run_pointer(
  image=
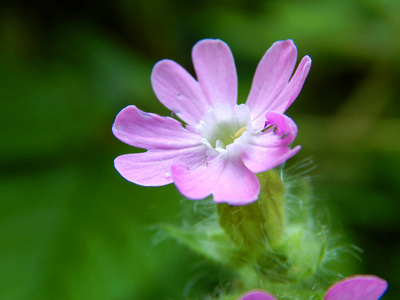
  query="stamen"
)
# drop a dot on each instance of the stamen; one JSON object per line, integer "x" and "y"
{"x": 267, "y": 127}
{"x": 238, "y": 133}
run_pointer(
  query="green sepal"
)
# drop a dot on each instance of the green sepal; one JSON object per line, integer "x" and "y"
{"x": 257, "y": 226}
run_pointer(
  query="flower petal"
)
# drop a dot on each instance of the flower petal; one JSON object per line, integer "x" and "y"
{"x": 216, "y": 71}
{"x": 259, "y": 159}
{"x": 179, "y": 91}
{"x": 283, "y": 130}
{"x": 150, "y": 131}
{"x": 270, "y": 149}
{"x": 153, "y": 168}
{"x": 293, "y": 88}
{"x": 359, "y": 287}
{"x": 257, "y": 295}
{"x": 272, "y": 75}
{"x": 226, "y": 178}
{"x": 271, "y": 90}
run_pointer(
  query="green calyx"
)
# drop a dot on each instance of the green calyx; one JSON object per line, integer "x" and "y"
{"x": 271, "y": 243}
{"x": 257, "y": 226}
{"x": 274, "y": 244}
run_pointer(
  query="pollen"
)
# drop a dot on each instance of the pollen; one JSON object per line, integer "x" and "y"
{"x": 238, "y": 133}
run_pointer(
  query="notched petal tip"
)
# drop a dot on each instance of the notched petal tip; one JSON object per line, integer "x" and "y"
{"x": 271, "y": 80}
{"x": 296, "y": 83}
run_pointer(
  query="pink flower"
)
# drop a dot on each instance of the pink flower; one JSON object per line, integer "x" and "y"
{"x": 359, "y": 287}
{"x": 223, "y": 144}
{"x": 257, "y": 295}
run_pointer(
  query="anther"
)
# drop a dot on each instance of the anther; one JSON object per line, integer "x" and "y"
{"x": 238, "y": 133}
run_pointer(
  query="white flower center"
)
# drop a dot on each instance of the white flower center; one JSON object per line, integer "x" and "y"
{"x": 223, "y": 126}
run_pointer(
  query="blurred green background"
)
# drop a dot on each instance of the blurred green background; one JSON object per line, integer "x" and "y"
{"x": 72, "y": 228}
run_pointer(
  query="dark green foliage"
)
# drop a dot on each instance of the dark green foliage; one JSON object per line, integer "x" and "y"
{"x": 72, "y": 228}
